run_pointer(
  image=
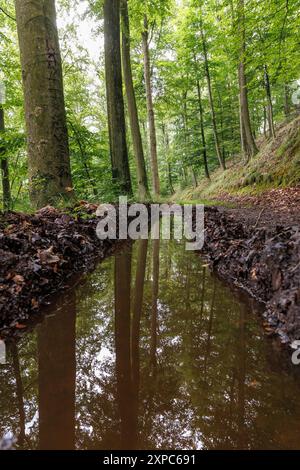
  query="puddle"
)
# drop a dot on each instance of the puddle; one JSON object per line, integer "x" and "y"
{"x": 150, "y": 351}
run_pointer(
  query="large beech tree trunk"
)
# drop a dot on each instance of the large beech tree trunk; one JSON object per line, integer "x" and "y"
{"x": 150, "y": 110}
{"x": 115, "y": 100}
{"x": 132, "y": 106}
{"x": 248, "y": 143}
{"x": 48, "y": 148}
{"x": 6, "y": 194}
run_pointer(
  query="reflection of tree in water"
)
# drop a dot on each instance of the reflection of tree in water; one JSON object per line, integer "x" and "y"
{"x": 96, "y": 411}
{"x": 18, "y": 392}
{"x": 57, "y": 376}
{"x": 123, "y": 351}
{"x": 179, "y": 366}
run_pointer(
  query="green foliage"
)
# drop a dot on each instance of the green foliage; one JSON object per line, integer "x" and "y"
{"x": 177, "y": 66}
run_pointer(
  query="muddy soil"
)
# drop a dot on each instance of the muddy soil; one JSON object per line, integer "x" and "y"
{"x": 262, "y": 256}
{"x": 39, "y": 253}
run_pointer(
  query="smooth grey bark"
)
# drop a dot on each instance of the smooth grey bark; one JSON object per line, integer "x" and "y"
{"x": 150, "y": 110}
{"x": 48, "y": 147}
{"x": 132, "y": 106}
{"x": 115, "y": 100}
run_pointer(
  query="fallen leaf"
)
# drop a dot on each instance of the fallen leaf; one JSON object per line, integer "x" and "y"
{"x": 18, "y": 279}
{"x": 48, "y": 210}
{"x": 34, "y": 303}
{"x": 47, "y": 256}
{"x": 254, "y": 384}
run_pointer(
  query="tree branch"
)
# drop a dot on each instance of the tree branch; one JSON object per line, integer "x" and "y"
{"x": 7, "y": 14}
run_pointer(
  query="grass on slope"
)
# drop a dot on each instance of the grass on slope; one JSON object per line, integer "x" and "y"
{"x": 276, "y": 165}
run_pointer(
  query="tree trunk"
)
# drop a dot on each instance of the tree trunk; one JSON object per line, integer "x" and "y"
{"x": 270, "y": 104}
{"x": 146, "y": 146}
{"x": 170, "y": 179}
{"x": 241, "y": 378}
{"x": 137, "y": 311}
{"x": 4, "y": 169}
{"x": 184, "y": 173}
{"x": 57, "y": 377}
{"x": 19, "y": 393}
{"x": 132, "y": 106}
{"x": 209, "y": 333}
{"x": 265, "y": 122}
{"x": 154, "y": 309}
{"x": 210, "y": 96}
{"x": 202, "y": 131}
{"x": 48, "y": 147}
{"x": 242, "y": 131}
{"x": 287, "y": 108}
{"x": 125, "y": 393}
{"x": 150, "y": 110}
{"x": 167, "y": 147}
{"x": 186, "y": 138}
{"x": 250, "y": 148}
{"x": 194, "y": 176}
{"x": 222, "y": 125}
{"x": 115, "y": 101}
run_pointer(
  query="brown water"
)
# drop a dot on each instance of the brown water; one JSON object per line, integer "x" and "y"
{"x": 150, "y": 351}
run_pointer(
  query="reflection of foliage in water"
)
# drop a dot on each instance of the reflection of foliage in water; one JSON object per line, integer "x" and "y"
{"x": 15, "y": 401}
{"x": 207, "y": 377}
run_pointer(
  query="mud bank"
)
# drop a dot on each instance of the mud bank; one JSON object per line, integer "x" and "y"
{"x": 263, "y": 260}
{"x": 39, "y": 253}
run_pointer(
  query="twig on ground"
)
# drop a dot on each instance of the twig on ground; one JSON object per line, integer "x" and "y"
{"x": 259, "y": 217}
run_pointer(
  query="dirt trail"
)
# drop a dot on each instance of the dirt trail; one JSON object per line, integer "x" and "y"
{"x": 274, "y": 207}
